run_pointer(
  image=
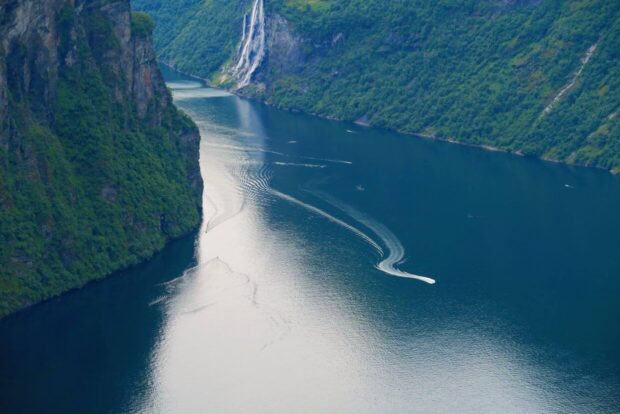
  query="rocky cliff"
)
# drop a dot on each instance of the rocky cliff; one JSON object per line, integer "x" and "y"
{"x": 283, "y": 56}
{"x": 97, "y": 168}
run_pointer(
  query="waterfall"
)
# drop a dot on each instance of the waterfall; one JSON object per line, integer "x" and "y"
{"x": 252, "y": 48}
{"x": 245, "y": 24}
{"x": 584, "y": 61}
{"x": 243, "y": 34}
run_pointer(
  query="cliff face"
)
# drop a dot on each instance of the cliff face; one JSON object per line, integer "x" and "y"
{"x": 97, "y": 168}
{"x": 284, "y": 54}
{"x": 41, "y": 38}
{"x": 284, "y": 47}
{"x": 268, "y": 51}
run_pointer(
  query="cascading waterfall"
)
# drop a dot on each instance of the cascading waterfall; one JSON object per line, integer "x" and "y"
{"x": 584, "y": 61}
{"x": 242, "y": 42}
{"x": 252, "y": 48}
{"x": 245, "y": 24}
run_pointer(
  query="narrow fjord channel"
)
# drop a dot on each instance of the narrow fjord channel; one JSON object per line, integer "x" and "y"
{"x": 342, "y": 269}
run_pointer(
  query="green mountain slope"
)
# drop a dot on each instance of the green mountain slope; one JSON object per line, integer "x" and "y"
{"x": 480, "y": 72}
{"x": 97, "y": 168}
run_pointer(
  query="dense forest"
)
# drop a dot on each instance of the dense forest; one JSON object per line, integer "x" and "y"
{"x": 97, "y": 168}
{"x": 536, "y": 77}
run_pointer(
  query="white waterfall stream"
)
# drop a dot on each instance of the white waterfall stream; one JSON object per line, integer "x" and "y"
{"x": 245, "y": 24}
{"x": 252, "y": 48}
{"x": 584, "y": 61}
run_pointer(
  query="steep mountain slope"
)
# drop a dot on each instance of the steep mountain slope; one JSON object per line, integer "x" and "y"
{"x": 97, "y": 167}
{"x": 538, "y": 77}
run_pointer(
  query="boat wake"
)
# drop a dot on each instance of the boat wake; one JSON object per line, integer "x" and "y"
{"x": 327, "y": 160}
{"x": 328, "y": 216}
{"x": 394, "y": 248}
{"x": 294, "y": 164}
{"x": 250, "y": 149}
{"x": 253, "y": 175}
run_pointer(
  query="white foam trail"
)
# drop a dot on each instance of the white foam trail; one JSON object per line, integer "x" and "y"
{"x": 248, "y": 149}
{"x": 396, "y": 251}
{"x": 327, "y": 160}
{"x": 256, "y": 149}
{"x": 329, "y": 217}
{"x": 158, "y": 300}
{"x": 293, "y": 164}
{"x": 252, "y": 48}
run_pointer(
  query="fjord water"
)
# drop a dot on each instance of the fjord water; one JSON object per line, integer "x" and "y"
{"x": 280, "y": 303}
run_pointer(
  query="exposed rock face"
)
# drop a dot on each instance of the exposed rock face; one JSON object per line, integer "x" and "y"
{"x": 252, "y": 46}
{"x": 21, "y": 70}
{"x": 34, "y": 70}
{"x": 285, "y": 53}
{"x": 268, "y": 49}
{"x": 97, "y": 167}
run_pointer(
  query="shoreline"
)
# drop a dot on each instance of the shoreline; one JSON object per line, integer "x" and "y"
{"x": 490, "y": 148}
{"x": 115, "y": 273}
{"x": 486, "y": 147}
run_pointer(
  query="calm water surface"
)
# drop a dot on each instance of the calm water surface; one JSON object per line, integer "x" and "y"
{"x": 307, "y": 288}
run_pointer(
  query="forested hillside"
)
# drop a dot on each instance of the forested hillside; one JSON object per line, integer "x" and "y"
{"x": 97, "y": 168}
{"x": 538, "y": 77}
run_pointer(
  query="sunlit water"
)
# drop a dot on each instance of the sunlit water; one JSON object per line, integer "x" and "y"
{"x": 309, "y": 287}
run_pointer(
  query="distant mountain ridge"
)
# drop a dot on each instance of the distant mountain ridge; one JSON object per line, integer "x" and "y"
{"x": 535, "y": 77}
{"x": 97, "y": 168}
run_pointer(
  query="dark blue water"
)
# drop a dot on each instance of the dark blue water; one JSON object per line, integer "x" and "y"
{"x": 306, "y": 289}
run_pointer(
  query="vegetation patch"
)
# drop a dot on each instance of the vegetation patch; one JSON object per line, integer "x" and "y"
{"x": 142, "y": 24}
